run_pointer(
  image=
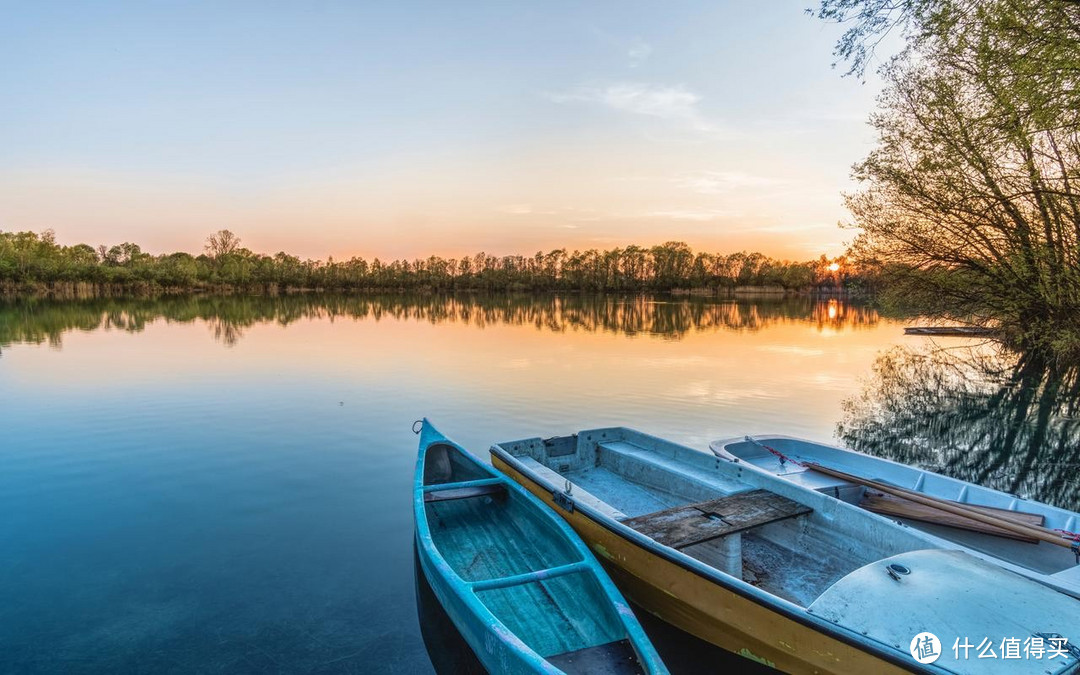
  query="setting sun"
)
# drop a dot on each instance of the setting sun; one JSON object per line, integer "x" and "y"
{"x": 834, "y": 267}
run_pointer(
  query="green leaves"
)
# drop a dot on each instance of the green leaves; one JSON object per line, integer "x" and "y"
{"x": 971, "y": 195}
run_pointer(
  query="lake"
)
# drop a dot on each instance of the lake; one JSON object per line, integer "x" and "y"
{"x": 222, "y": 484}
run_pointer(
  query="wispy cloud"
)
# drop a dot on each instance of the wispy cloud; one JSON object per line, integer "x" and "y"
{"x": 691, "y": 214}
{"x": 719, "y": 182}
{"x": 674, "y": 103}
{"x": 530, "y": 210}
{"x": 516, "y": 209}
{"x": 699, "y": 215}
{"x": 788, "y": 228}
{"x": 639, "y": 53}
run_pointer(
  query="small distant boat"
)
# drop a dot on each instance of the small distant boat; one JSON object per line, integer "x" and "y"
{"x": 949, "y": 331}
{"x": 870, "y": 482}
{"x": 517, "y": 582}
{"x": 789, "y": 577}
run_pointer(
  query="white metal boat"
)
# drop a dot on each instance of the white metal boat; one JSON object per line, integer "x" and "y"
{"x": 1052, "y": 565}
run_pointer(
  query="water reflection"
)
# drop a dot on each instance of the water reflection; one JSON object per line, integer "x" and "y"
{"x": 37, "y": 321}
{"x": 1004, "y": 420}
{"x": 447, "y": 649}
{"x": 280, "y": 469}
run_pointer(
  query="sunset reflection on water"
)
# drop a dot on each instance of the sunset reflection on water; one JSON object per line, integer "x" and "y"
{"x": 242, "y": 466}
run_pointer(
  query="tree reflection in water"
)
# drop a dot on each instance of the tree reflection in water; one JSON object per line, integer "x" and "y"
{"x": 1000, "y": 419}
{"x": 37, "y": 321}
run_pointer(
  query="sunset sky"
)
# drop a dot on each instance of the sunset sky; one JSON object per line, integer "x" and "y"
{"x": 401, "y": 129}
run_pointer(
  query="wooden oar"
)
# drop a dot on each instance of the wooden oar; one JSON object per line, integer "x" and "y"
{"x": 1035, "y": 532}
{"x": 906, "y": 494}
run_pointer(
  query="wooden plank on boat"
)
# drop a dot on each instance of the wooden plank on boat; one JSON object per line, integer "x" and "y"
{"x": 464, "y": 492}
{"x": 891, "y": 505}
{"x": 691, "y": 524}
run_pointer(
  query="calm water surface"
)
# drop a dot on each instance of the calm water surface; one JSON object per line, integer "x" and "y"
{"x": 223, "y": 484}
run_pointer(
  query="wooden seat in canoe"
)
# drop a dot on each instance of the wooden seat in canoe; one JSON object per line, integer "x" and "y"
{"x": 691, "y": 524}
{"x": 465, "y": 492}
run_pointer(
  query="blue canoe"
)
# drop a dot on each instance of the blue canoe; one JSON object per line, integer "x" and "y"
{"x": 521, "y": 587}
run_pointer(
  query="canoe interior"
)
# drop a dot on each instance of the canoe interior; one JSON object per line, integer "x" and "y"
{"x": 1045, "y": 559}
{"x": 487, "y": 535}
{"x": 613, "y": 658}
{"x": 556, "y": 616}
{"x": 444, "y": 463}
{"x": 635, "y": 478}
{"x": 491, "y": 537}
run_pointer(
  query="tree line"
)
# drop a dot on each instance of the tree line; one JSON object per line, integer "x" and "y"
{"x": 30, "y": 260}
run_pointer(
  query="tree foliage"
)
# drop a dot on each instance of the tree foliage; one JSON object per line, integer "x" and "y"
{"x": 221, "y": 244}
{"x": 29, "y": 259}
{"x": 971, "y": 196}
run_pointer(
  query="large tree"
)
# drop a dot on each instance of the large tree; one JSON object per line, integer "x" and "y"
{"x": 972, "y": 195}
{"x": 221, "y": 244}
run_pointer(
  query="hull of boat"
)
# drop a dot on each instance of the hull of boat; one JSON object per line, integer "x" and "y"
{"x": 485, "y": 641}
{"x": 709, "y": 610}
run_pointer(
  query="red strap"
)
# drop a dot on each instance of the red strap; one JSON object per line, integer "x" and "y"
{"x": 782, "y": 456}
{"x": 1065, "y": 534}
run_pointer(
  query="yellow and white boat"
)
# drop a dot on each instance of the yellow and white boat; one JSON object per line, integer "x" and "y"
{"x": 786, "y": 576}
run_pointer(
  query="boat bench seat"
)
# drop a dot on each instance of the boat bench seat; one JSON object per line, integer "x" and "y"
{"x": 451, "y": 493}
{"x": 530, "y": 577}
{"x": 643, "y": 460}
{"x": 691, "y": 524}
{"x": 579, "y": 494}
{"x": 714, "y": 527}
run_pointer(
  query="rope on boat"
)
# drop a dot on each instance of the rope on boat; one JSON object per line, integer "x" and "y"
{"x": 784, "y": 459}
{"x": 1065, "y": 534}
{"x": 417, "y": 426}
{"x": 1074, "y": 537}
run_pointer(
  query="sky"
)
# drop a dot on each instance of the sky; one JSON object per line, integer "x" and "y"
{"x": 404, "y": 129}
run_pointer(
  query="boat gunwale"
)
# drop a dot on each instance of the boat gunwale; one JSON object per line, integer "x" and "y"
{"x": 784, "y": 607}
{"x": 719, "y": 449}
{"x": 646, "y": 653}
